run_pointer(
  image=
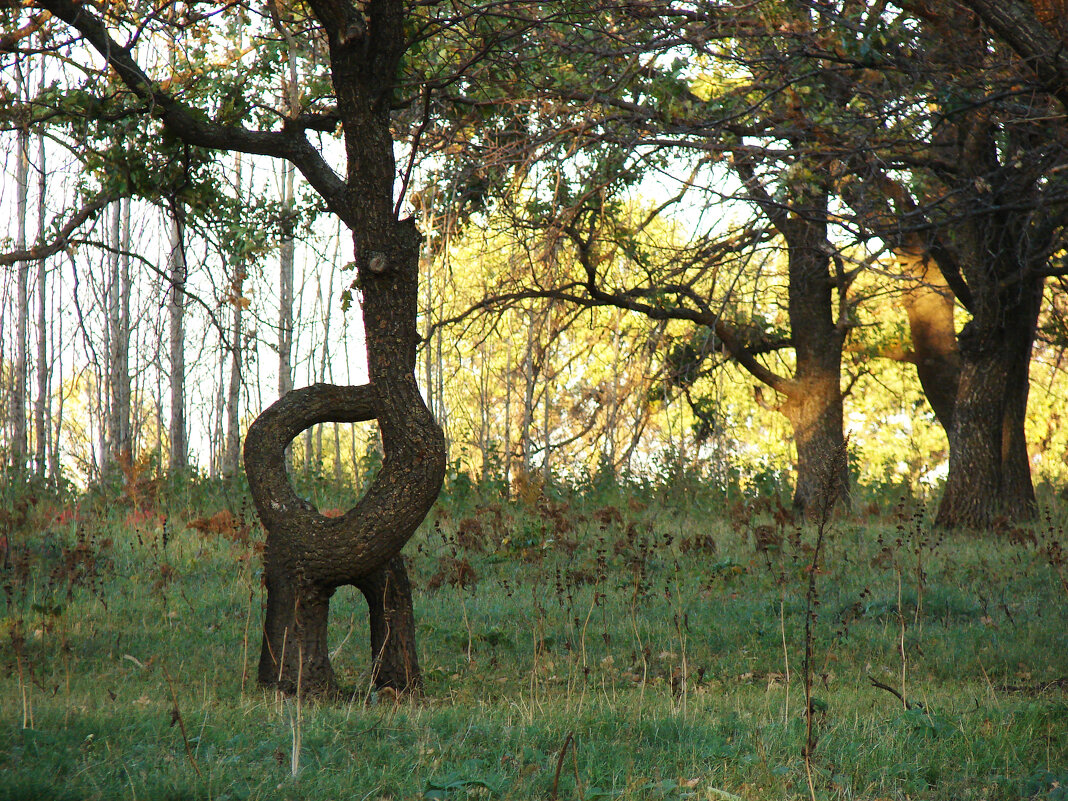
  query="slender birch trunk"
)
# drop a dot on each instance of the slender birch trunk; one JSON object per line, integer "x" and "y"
{"x": 40, "y": 429}
{"x": 324, "y": 355}
{"x": 18, "y": 390}
{"x": 546, "y": 473}
{"x": 218, "y": 434}
{"x": 428, "y": 345}
{"x": 177, "y": 274}
{"x": 285, "y": 302}
{"x": 484, "y": 403}
{"x": 56, "y": 417}
{"x": 179, "y": 454}
{"x": 528, "y": 395}
{"x": 508, "y": 421}
{"x": 119, "y": 445}
{"x": 232, "y": 460}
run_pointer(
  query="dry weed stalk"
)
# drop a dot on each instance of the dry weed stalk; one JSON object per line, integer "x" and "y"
{"x": 176, "y": 717}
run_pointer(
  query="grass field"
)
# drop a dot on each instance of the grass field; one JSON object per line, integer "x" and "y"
{"x": 570, "y": 650}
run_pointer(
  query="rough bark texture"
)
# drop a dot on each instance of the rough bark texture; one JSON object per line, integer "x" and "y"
{"x": 814, "y": 400}
{"x": 285, "y": 289}
{"x": 392, "y": 628}
{"x": 307, "y": 555}
{"x": 1037, "y": 32}
{"x": 1017, "y": 488}
{"x": 1004, "y": 231}
{"x": 813, "y": 396}
{"x": 989, "y": 472}
{"x": 814, "y": 410}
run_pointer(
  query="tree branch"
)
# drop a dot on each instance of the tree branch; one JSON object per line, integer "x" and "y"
{"x": 9, "y": 41}
{"x": 1018, "y": 26}
{"x": 62, "y": 238}
{"x": 706, "y": 317}
{"x": 289, "y": 144}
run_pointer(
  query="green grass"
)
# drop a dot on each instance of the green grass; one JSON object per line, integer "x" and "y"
{"x": 664, "y": 661}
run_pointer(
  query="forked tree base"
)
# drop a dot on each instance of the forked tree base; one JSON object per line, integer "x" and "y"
{"x": 295, "y": 656}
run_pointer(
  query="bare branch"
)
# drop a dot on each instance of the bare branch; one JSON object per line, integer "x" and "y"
{"x": 1045, "y": 53}
{"x": 62, "y": 238}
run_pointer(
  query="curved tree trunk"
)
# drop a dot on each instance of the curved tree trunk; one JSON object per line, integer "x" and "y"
{"x": 308, "y": 556}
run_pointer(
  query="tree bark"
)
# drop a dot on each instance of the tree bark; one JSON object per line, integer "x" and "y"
{"x": 395, "y": 660}
{"x": 973, "y": 489}
{"x": 1017, "y": 489}
{"x": 355, "y": 548}
{"x": 814, "y": 409}
{"x": 989, "y": 471}
{"x": 19, "y": 389}
{"x": 1040, "y": 40}
{"x": 308, "y": 556}
{"x": 119, "y": 390}
{"x": 1005, "y": 323}
{"x": 232, "y": 457}
{"x": 179, "y": 451}
{"x": 813, "y": 402}
{"x": 232, "y": 460}
{"x": 1004, "y": 243}
{"x": 40, "y": 429}
{"x": 285, "y": 286}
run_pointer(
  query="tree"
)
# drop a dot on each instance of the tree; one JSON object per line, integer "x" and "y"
{"x": 119, "y": 430}
{"x": 916, "y": 135}
{"x": 177, "y": 275}
{"x": 18, "y": 396}
{"x": 1017, "y": 156}
{"x": 619, "y": 94}
{"x": 40, "y": 426}
{"x": 986, "y": 205}
{"x": 308, "y": 556}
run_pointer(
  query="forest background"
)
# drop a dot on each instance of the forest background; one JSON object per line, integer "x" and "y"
{"x": 161, "y": 339}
